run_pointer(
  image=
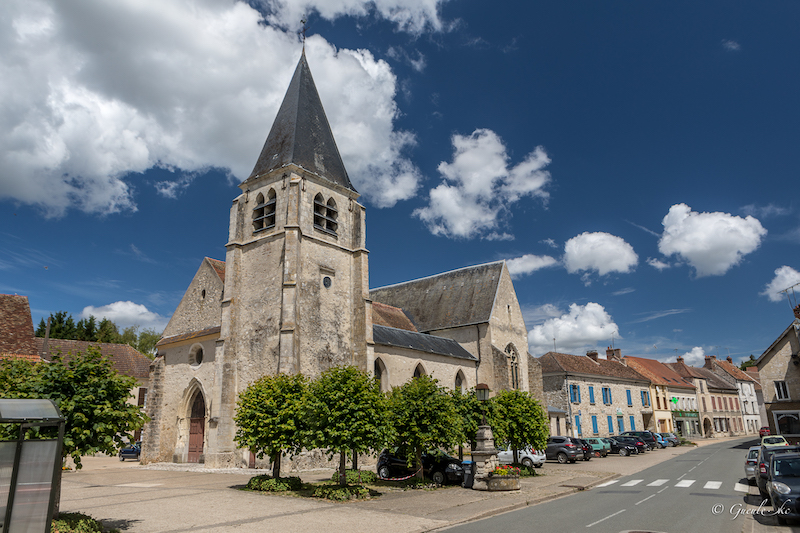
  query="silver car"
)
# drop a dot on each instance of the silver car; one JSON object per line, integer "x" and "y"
{"x": 751, "y": 464}
{"x": 528, "y": 457}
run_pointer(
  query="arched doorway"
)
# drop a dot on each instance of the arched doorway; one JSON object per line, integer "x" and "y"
{"x": 197, "y": 428}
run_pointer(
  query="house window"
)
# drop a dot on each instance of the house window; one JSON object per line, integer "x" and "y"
{"x": 713, "y": 403}
{"x": 781, "y": 392}
{"x": 264, "y": 211}
{"x": 325, "y": 215}
{"x": 575, "y": 393}
{"x": 633, "y": 425}
{"x": 594, "y": 424}
{"x": 591, "y": 395}
{"x": 630, "y": 399}
{"x": 701, "y": 386}
{"x": 578, "y": 424}
{"x": 620, "y": 424}
{"x": 610, "y": 425}
{"x": 645, "y": 398}
{"x": 704, "y": 405}
{"x": 607, "y": 395}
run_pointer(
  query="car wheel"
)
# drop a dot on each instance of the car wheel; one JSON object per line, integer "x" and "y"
{"x": 438, "y": 477}
{"x": 623, "y": 452}
{"x": 527, "y": 462}
{"x": 121, "y": 458}
{"x": 383, "y": 472}
{"x": 562, "y": 458}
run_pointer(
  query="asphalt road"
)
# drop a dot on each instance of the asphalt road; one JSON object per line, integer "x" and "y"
{"x": 701, "y": 491}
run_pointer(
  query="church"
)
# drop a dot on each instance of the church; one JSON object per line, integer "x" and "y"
{"x": 293, "y": 296}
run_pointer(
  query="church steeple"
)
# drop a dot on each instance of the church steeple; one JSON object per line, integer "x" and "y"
{"x": 301, "y": 134}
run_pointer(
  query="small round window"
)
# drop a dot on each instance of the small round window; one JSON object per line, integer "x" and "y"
{"x": 327, "y": 282}
{"x": 196, "y": 356}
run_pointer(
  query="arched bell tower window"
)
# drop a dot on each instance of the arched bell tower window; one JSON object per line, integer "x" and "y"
{"x": 513, "y": 365}
{"x": 325, "y": 215}
{"x": 264, "y": 211}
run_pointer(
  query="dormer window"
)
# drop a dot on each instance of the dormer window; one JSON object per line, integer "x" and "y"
{"x": 325, "y": 215}
{"x": 264, "y": 211}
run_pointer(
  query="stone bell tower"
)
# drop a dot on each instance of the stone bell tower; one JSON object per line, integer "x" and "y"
{"x": 296, "y": 296}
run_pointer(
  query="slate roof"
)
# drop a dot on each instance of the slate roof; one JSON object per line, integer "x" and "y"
{"x": 16, "y": 326}
{"x": 301, "y": 133}
{"x": 389, "y": 316}
{"x": 191, "y": 335}
{"x": 124, "y": 358}
{"x": 422, "y": 342}
{"x": 218, "y": 266}
{"x": 554, "y": 362}
{"x": 657, "y": 372}
{"x": 456, "y": 298}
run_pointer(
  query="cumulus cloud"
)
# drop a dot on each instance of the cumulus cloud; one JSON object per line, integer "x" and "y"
{"x": 657, "y": 263}
{"x": 711, "y": 243}
{"x": 785, "y": 277}
{"x": 583, "y": 326}
{"x": 125, "y": 314}
{"x": 529, "y": 263}
{"x": 731, "y": 46}
{"x": 93, "y": 91}
{"x": 479, "y": 187}
{"x": 600, "y": 252}
{"x": 695, "y": 357}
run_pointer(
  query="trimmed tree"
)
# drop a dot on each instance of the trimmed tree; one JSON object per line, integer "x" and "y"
{"x": 270, "y": 417}
{"x": 519, "y": 420}
{"x": 347, "y": 411}
{"x": 425, "y": 417}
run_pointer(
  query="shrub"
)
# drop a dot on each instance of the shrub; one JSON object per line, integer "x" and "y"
{"x": 356, "y": 477}
{"x": 265, "y": 483}
{"x": 525, "y": 471}
{"x": 76, "y": 523}
{"x": 339, "y": 493}
{"x": 506, "y": 470}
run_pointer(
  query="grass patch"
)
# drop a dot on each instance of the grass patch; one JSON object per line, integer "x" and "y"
{"x": 78, "y": 523}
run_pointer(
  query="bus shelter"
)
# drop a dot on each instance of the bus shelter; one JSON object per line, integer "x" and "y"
{"x": 32, "y": 433}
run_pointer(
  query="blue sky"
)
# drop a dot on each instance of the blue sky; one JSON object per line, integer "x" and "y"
{"x": 634, "y": 162}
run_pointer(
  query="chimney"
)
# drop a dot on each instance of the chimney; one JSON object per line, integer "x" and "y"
{"x": 592, "y": 354}
{"x": 730, "y": 359}
{"x": 680, "y": 359}
{"x": 614, "y": 353}
{"x": 710, "y": 362}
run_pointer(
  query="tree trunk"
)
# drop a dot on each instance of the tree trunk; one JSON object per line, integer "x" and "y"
{"x": 355, "y": 460}
{"x": 516, "y": 454}
{"x": 343, "y": 468}
{"x": 420, "y": 473}
{"x": 276, "y": 466}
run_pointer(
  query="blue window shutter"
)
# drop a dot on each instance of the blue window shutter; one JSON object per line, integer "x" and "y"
{"x": 578, "y": 424}
{"x": 630, "y": 400}
{"x": 579, "y": 393}
{"x": 610, "y": 400}
{"x": 594, "y": 423}
{"x": 641, "y": 393}
{"x": 633, "y": 426}
{"x": 610, "y": 424}
{"x": 591, "y": 394}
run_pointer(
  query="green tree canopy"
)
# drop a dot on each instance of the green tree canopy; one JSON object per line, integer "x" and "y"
{"x": 425, "y": 417}
{"x": 270, "y": 417}
{"x": 347, "y": 411}
{"x": 519, "y": 420}
{"x": 748, "y": 362}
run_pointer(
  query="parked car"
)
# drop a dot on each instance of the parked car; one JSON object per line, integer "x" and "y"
{"x": 765, "y": 453}
{"x": 588, "y": 452}
{"x": 764, "y": 431}
{"x": 783, "y": 485}
{"x": 131, "y": 452}
{"x": 622, "y": 448}
{"x": 563, "y": 449}
{"x": 599, "y": 446}
{"x": 436, "y": 465}
{"x": 528, "y": 457}
{"x": 640, "y": 445}
{"x": 648, "y": 437}
{"x": 751, "y": 464}
{"x": 661, "y": 442}
{"x": 672, "y": 439}
{"x": 774, "y": 440}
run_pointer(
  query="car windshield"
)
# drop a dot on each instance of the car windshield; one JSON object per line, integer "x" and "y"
{"x": 789, "y": 467}
{"x": 773, "y": 440}
{"x": 753, "y": 454}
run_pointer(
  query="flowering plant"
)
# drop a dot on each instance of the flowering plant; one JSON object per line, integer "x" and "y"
{"x": 506, "y": 470}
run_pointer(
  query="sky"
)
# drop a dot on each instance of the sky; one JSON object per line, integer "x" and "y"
{"x": 633, "y": 162}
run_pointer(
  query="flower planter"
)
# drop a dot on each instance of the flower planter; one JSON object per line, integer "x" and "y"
{"x": 498, "y": 483}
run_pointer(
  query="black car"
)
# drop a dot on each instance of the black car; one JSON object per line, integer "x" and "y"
{"x": 623, "y": 448}
{"x": 645, "y": 436}
{"x": 783, "y": 485}
{"x": 436, "y": 465}
{"x": 640, "y": 445}
{"x": 563, "y": 449}
{"x": 588, "y": 451}
{"x": 762, "y": 466}
{"x": 131, "y": 452}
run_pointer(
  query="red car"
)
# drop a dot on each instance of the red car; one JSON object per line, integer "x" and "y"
{"x": 764, "y": 431}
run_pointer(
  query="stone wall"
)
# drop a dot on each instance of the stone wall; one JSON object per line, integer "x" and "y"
{"x": 200, "y": 306}
{"x": 400, "y": 364}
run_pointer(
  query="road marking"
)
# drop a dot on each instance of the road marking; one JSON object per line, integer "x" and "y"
{"x": 139, "y": 485}
{"x": 681, "y": 476}
{"x": 662, "y": 490}
{"x": 606, "y": 518}
{"x": 657, "y": 483}
{"x": 632, "y": 482}
{"x": 692, "y": 468}
{"x": 742, "y": 488}
{"x": 642, "y": 501}
{"x": 712, "y": 485}
{"x": 607, "y": 483}
{"x": 685, "y": 483}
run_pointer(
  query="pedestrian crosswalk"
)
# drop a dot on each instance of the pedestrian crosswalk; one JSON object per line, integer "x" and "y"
{"x": 677, "y": 483}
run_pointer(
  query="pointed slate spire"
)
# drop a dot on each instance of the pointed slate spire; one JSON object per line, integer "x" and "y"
{"x": 301, "y": 133}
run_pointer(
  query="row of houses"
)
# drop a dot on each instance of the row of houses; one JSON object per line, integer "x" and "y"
{"x": 588, "y": 396}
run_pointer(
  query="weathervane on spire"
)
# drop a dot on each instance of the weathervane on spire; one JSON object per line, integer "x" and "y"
{"x": 303, "y": 21}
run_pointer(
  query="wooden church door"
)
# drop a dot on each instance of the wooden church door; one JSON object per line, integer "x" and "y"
{"x": 197, "y": 427}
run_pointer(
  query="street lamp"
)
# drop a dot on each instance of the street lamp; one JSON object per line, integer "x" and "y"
{"x": 482, "y": 393}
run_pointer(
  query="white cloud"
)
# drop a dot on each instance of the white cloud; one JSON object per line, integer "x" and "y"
{"x": 695, "y": 357}
{"x": 92, "y": 91}
{"x": 711, "y": 243}
{"x": 600, "y": 252}
{"x": 529, "y": 263}
{"x": 583, "y": 326}
{"x": 399, "y": 54}
{"x": 125, "y": 314}
{"x": 657, "y": 263}
{"x": 765, "y": 211}
{"x": 785, "y": 277}
{"x": 479, "y": 187}
{"x": 731, "y": 46}
{"x": 549, "y": 242}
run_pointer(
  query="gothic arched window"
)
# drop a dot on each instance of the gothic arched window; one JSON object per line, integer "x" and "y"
{"x": 513, "y": 365}
{"x": 419, "y": 371}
